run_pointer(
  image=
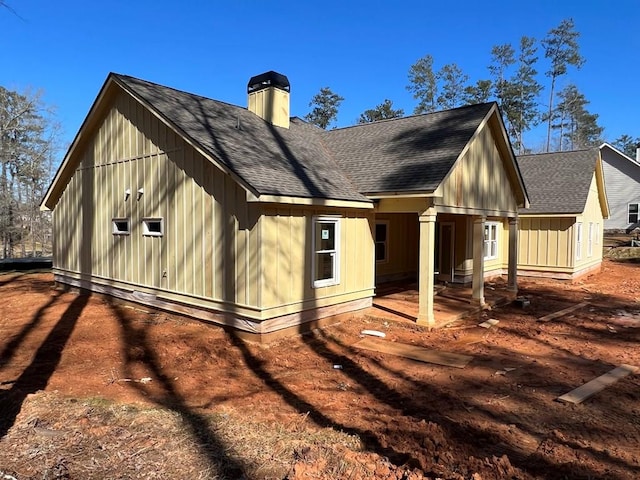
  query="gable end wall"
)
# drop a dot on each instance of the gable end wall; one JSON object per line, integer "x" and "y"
{"x": 209, "y": 252}
{"x": 622, "y": 180}
{"x": 479, "y": 183}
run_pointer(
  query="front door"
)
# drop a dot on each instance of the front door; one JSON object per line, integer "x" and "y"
{"x": 446, "y": 236}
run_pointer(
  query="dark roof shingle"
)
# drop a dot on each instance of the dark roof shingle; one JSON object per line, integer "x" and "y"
{"x": 406, "y": 154}
{"x": 271, "y": 160}
{"x": 400, "y": 155}
{"x": 558, "y": 182}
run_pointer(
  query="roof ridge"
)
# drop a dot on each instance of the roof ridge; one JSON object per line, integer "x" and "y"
{"x": 407, "y": 117}
{"x": 590, "y": 149}
{"x": 191, "y": 94}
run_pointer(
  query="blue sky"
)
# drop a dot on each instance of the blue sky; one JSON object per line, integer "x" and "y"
{"x": 362, "y": 50}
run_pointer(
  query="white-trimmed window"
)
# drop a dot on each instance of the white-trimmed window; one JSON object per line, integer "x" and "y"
{"x": 633, "y": 213}
{"x": 152, "y": 227}
{"x": 578, "y": 241}
{"x": 326, "y": 251}
{"x": 491, "y": 232}
{"x": 590, "y": 240}
{"x": 382, "y": 241}
{"x": 597, "y": 234}
{"x": 120, "y": 226}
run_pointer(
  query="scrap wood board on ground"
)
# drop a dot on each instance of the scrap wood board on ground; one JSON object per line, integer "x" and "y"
{"x": 563, "y": 312}
{"x": 589, "y": 389}
{"x": 414, "y": 352}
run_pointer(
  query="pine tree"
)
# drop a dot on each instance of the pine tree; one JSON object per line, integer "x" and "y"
{"x": 627, "y": 145}
{"x": 562, "y": 49}
{"x": 381, "y": 112}
{"x": 526, "y": 89}
{"x": 478, "y": 93}
{"x": 325, "y": 108}
{"x": 423, "y": 84}
{"x": 578, "y": 128}
{"x": 452, "y": 88}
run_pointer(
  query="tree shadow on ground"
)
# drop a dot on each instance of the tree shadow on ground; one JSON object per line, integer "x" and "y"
{"x": 45, "y": 361}
{"x": 314, "y": 412}
{"x": 466, "y": 436}
{"x": 139, "y": 353}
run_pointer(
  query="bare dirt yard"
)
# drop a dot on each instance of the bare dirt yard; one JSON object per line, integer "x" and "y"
{"x": 91, "y": 390}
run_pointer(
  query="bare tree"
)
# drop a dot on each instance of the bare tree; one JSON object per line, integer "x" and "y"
{"x": 28, "y": 144}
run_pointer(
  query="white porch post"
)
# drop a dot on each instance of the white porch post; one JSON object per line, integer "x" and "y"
{"x": 478, "y": 260}
{"x": 512, "y": 278}
{"x": 426, "y": 265}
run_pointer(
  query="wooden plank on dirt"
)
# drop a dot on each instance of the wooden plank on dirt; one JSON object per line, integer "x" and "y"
{"x": 489, "y": 323}
{"x": 414, "y": 352}
{"x": 561, "y": 313}
{"x": 589, "y": 389}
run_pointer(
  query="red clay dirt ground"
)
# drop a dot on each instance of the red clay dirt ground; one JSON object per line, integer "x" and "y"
{"x": 89, "y": 389}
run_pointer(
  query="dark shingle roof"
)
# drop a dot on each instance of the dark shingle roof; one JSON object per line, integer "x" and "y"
{"x": 558, "y": 182}
{"x": 399, "y": 155}
{"x": 406, "y": 154}
{"x": 271, "y": 160}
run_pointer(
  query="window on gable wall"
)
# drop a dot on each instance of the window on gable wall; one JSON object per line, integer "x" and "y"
{"x": 578, "y": 241}
{"x": 491, "y": 230}
{"x": 152, "y": 227}
{"x": 590, "y": 240}
{"x": 382, "y": 235}
{"x": 120, "y": 226}
{"x": 633, "y": 213}
{"x": 326, "y": 251}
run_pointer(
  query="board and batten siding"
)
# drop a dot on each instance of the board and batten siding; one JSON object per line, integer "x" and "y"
{"x": 402, "y": 247}
{"x": 549, "y": 243}
{"x": 218, "y": 251}
{"x": 592, "y": 215}
{"x": 622, "y": 180}
{"x": 286, "y": 250}
{"x": 209, "y": 253}
{"x": 546, "y": 243}
{"x": 479, "y": 183}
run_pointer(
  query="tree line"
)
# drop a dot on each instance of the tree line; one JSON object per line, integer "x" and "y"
{"x": 28, "y": 145}
{"x": 513, "y": 82}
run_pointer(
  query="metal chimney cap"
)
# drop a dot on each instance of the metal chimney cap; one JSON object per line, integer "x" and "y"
{"x": 268, "y": 79}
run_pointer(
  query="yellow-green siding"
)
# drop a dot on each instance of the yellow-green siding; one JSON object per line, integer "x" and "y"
{"x": 402, "y": 246}
{"x": 286, "y": 240}
{"x": 548, "y": 243}
{"x": 218, "y": 250}
{"x": 479, "y": 182}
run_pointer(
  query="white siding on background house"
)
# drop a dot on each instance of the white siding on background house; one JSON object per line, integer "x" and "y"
{"x": 622, "y": 181}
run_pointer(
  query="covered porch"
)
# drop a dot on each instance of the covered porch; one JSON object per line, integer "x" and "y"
{"x": 400, "y": 301}
{"x": 432, "y": 266}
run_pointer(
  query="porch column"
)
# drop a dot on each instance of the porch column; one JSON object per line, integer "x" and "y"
{"x": 512, "y": 278}
{"x": 478, "y": 260}
{"x": 426, "y": 273}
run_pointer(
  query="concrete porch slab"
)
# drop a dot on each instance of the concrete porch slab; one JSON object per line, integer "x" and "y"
{"x": 399, "y": 302}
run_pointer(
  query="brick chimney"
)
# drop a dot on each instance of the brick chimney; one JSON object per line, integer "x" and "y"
{"x": 269, "y": 98}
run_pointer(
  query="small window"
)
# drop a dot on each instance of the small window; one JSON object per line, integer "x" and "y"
{"x": 120, "y": 226}
{"x": 578, "y": 241}
{"x": 382, "y": 232}
{"x": 152, "y": 227}
{"x": 633, "y": 213}
{"x": 590, "y": 240}
{"x": 326, "y": 251}
{"x": 491, "y": 240}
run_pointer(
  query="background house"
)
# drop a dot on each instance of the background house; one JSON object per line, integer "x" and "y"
{"x": 250, "y": 219}
{"x": 561, "y": 231}
{"x": 622, "y": 180}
